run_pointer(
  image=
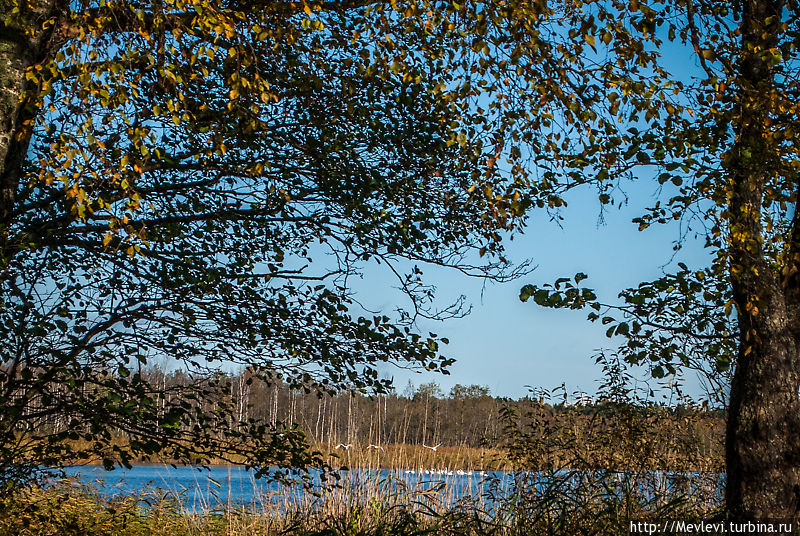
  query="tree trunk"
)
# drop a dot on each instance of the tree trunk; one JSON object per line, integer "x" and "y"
{"x": 763, "y": 430}
{"x": 762, "y": 451}
{"x": 19, "y": 98}
{"x": 14, "y": 61}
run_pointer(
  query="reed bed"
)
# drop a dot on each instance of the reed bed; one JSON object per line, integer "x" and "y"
{"x": 360, "y": 455}
{"x": 417, "y": 457}
{"x": 365, "y": 503}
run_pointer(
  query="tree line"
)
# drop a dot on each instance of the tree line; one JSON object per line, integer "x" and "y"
{"x": 423, "y": 415}
{"x": 541, "y": 430}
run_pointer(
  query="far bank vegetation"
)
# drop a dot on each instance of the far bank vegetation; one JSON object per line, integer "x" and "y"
{"x": 466, "y": 428}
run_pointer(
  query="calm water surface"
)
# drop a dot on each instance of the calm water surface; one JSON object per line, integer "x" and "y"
{"x": 203, "y": 489}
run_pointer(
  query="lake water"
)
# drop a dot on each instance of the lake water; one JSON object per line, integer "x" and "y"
{"x": 207, "y": 489}
{"x": 204, "y": 490}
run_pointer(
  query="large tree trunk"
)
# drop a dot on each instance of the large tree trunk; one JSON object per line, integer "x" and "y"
{"x": 24, "y": 41}
{"x": 14, "y": 61}
{"x": 763, "y": 432}
{"x": 762, "y": 450}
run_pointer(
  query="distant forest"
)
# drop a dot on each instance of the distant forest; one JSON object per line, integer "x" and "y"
{"x": 424, "y": 415}
{"x": 466, "y": 416}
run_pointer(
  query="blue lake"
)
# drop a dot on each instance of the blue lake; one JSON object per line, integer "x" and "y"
{"x": 203, "y": 490}
{"x": 198, "y": 489}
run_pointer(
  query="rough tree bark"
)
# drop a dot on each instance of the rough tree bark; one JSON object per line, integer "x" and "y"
{"x": 24, "y": 41}
{"x": 763, "y": 433}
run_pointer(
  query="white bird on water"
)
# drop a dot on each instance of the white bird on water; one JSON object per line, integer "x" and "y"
{"x": 343, "y": 446}
{"x": 432, "y": 448}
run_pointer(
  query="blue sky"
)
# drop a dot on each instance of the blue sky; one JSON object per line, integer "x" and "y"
{"x": 508, "y": 345}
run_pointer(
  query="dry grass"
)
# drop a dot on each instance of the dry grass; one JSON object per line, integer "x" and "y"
{"x": 388, "y": 456}
{"x": 417, "y": 457}
{"x": 553, "y": 503}
{"x": 358, "y": 506}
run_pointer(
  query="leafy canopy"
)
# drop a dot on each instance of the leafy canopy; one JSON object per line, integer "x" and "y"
{"x": 199, "y": 181}
{"x": 630, "y": 108}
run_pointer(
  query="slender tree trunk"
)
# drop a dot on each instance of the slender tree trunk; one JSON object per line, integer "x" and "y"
{"x": 349, "y": 433}
{"x": 330, "y": 414}
{"x": 425, "y": 422}
{"x": 763, "y": 430}
{"x": 320, "y": 402}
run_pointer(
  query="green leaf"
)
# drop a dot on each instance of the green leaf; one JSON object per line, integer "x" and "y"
{"x": 526, "y": 292}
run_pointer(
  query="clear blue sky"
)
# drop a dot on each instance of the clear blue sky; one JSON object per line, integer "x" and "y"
{"x": 506, "y": 344}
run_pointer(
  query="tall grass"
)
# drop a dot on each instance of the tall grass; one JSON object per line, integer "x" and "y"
{"x": 417, "y": 457}
{"x": 357, "y": 506}
{"x": 594, "y": 470}
{"x": 551, "y": 502}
